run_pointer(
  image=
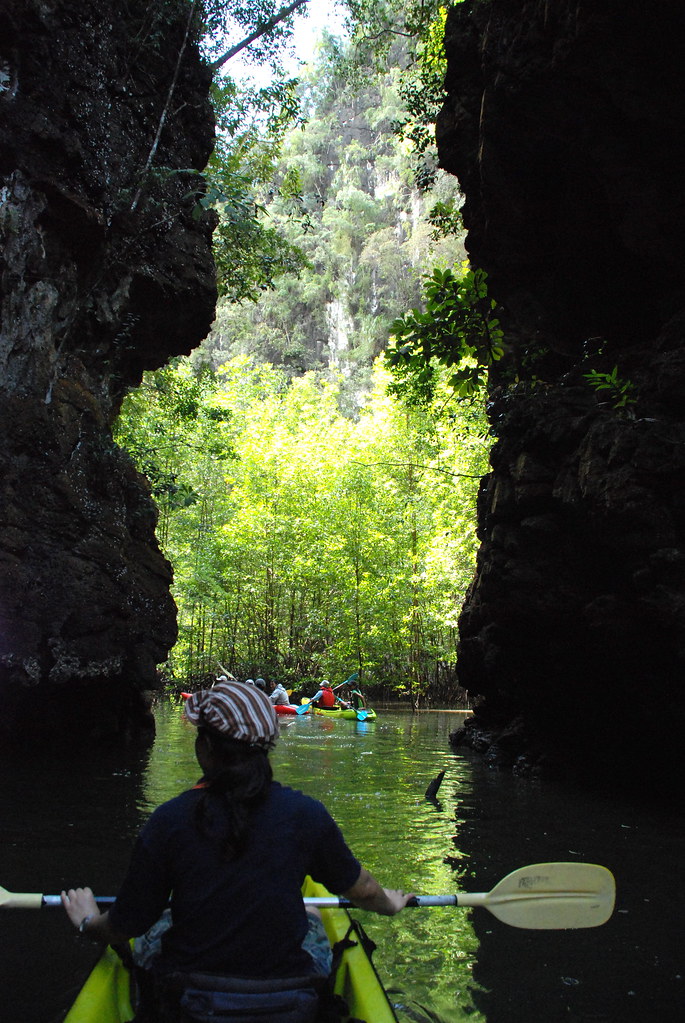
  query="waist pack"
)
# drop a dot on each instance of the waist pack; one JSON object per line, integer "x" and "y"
{"x": 209, "y": 998}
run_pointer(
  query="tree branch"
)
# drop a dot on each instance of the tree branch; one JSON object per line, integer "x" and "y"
{"x": 258, "y": 32}
{"x": 418, "y": 465}
{"x": 165, "y": 111}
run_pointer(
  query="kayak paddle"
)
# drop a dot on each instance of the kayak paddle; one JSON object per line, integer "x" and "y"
{"x": 33, "y": 900}
{"x": 305, "y": 705}
{"x": 352, "y": 678}
{"x": 361, "y": 713}
{"x": 544, "y": 896}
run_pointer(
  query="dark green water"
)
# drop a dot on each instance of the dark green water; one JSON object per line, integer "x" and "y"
{"x": 69, "y": 822}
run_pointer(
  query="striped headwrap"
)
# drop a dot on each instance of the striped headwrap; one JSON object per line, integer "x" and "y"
{"x": 243, "y": 712}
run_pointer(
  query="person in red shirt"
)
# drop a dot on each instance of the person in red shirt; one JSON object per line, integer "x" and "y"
{"x": 325, "y": 698}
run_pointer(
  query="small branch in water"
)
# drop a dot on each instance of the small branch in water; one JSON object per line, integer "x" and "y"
{"x": 432, "y": 790}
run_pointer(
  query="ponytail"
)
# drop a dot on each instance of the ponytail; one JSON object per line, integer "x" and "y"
{"x": 239, "y": 783}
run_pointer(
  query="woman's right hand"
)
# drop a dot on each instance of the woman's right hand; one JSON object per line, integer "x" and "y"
{"x": 368, "y": 894}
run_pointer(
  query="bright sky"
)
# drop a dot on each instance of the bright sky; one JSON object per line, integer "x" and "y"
{"x": 308, "y": 28}
{"x": 320, "y": 14}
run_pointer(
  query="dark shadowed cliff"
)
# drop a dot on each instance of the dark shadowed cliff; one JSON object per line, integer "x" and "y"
{"x": 104, "y": 273}
{"x": 565, "y": 127}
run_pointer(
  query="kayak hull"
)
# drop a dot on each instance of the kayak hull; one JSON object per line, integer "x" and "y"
{"x": 105, "y": 996}
{"x": 356, "y": 980}
{"x": 347, "y": 712}
{"x": 285, "y": 708}
{"x": 367, "y": 714}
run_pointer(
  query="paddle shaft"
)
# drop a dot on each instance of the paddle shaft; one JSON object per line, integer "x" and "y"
{"x": 464, "y": 899}
{"x": 324, "y": 902}
{"x": 418, "y": 902}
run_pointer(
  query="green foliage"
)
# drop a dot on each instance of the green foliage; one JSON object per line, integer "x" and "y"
{"x": 410, "y": 35}
{"x": 250, "y": 254}
{"x": 445, "y": 218}
{"x": 458, "y": 329}
{"x": 318, "y": 544}
{"x": 620, "y": 392}
{"x": 342, "y": 194}
{"x": 169, "y": 416}
{"x": 317, "y": 524}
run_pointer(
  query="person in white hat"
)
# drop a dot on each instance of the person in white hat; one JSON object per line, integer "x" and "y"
{"x": 231, "y": 854}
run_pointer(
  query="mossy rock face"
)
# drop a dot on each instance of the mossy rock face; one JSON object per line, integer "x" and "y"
{"x": 563, "y": 125}
{"x": 105, "y": 273}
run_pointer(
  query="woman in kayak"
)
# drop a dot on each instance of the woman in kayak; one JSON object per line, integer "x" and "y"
{"x": 230, "y": 855}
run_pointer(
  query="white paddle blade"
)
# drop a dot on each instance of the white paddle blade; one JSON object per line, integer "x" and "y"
{"x": 554, "y": 896}
{"x": 19, "y": 900}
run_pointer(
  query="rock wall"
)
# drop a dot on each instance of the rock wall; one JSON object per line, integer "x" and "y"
{"x": 104, "y": 273}
{"x": 564, "y": 126}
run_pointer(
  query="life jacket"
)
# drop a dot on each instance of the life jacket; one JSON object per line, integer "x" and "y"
{"x": 207, "y": 998}
{"x": 327, "y": 698}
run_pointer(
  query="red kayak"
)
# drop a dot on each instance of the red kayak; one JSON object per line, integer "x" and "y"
{"x": 280, "y": 708}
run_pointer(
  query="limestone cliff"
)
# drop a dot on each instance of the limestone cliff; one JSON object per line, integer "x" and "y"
{"x": 564, "y": 124}
{"x": 104, "y": 273}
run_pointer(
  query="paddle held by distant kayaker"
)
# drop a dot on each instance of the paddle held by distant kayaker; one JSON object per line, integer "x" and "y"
{"x": 229, "y": 857}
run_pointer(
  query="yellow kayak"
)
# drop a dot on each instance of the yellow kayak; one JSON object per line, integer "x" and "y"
{"x": 105, "y": 996}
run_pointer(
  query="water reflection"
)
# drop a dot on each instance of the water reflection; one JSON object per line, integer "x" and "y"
{"x": 73, "y": 821}
{"x": 631, "y": 969}
{"x": 66, "y": 820}
{"x": 372, "y": 777}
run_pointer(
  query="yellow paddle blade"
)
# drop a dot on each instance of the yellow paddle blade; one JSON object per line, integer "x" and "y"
{"x": 553, "y": 896}
{"x": 19, "y": 900}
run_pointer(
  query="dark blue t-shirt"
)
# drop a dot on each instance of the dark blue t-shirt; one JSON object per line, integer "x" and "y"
{"x": 242, "y": 917}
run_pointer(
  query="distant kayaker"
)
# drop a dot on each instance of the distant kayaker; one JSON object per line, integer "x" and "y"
{"x": 278, "y": 695}
{"x": 357, "y": 700}
{"x": 325, "y": 697}
{"x": 230, "y": 855}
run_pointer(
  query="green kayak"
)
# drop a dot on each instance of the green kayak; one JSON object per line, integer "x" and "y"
{"x": 105, "y": 996}
{"x": 363, "y": 714}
